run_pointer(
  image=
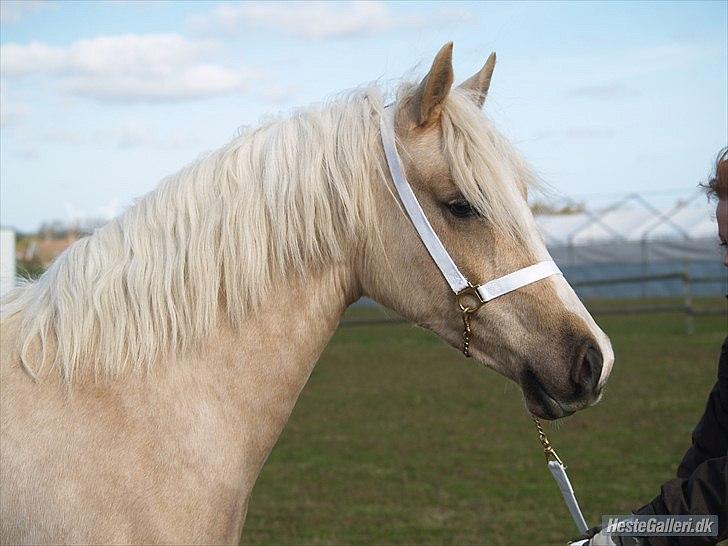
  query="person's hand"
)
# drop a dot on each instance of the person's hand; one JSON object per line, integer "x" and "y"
{"x": 598, "y": 537}
{"x": 602, "y": 538}
{"x": 589, "y": 535}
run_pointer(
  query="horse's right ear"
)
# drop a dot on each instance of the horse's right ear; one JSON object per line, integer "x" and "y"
{"x": 479, "y": 83}
{"x": 435, "y": 87}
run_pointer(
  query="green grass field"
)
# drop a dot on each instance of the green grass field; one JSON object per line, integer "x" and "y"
{"x": 398, "y": 439}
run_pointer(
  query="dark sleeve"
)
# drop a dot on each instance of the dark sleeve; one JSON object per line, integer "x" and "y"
{"x": 704, "y": 492}
{"x": 702, "y": 481}
{"x": 710, "y": 437}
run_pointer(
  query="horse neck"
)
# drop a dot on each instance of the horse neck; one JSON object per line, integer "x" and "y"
{"x": 206, "y": 421}
{"x": 256, "y": 372}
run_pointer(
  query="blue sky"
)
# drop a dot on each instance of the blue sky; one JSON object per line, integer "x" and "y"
{"x": 100, "y": 100}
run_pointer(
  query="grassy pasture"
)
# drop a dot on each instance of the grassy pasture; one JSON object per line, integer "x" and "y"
{"x": 398, "y": 439}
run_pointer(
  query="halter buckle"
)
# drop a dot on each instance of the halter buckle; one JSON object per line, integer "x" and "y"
{"x": 469, "y": 299}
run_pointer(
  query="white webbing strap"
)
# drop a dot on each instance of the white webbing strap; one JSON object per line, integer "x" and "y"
{"x": 517, "y": 279}
{"x": 450, "y": 271}
{"x": 446, "y": 265}
{"x": 562, "y": 480}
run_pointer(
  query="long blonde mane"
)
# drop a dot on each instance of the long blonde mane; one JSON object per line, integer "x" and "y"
{"x": 291, "y": 195}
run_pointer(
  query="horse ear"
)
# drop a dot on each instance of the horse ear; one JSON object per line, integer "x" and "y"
{"x": 479, "y": 83}
{"x": 435, "y": 86}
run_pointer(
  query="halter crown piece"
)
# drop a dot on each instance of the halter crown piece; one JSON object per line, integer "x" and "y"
{"x": 472, "y": 297}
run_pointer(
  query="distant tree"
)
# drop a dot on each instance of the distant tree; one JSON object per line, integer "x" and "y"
{"x": 53, "y": 229}
{"x": 59, "y": 229}
{"x": 571, "y": 207}
{"x": 35, "y": 251}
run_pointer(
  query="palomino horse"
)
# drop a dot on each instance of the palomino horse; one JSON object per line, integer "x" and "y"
{"x": 148, "y": 373}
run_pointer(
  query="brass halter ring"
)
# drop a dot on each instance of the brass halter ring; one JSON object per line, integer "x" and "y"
{"x": 469, "y": 301}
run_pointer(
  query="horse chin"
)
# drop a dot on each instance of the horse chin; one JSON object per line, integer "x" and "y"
{"x": 539, "y": 402}
{"x": 549, "y": 411}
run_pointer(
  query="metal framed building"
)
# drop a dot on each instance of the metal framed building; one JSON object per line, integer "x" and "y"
{"x": 634, "y": 238}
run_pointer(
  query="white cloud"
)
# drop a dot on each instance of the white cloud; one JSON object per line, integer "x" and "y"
{"x": 80, "y": 216}
{"x": 10, "y": 109}
{"x": 606, "y": 75}
{"x": 128, "y": 68}
{"x": 60, "y": 135}
{"x": 126, "y": 135}
{"x": 109, "y": 210}
{"x": 12, "y": 11}
{"x": 134, "y": 134}
{"x": 317, "y": 20}
{"x": 27, "y": 59}
{"x": 575, "y": 133}
{"x": 607, "y": 91}
{"x": 277, "y": 93}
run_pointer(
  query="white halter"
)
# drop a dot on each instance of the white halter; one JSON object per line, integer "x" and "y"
{"x": 462, "y": 287}
{"x": 457, "y": 281}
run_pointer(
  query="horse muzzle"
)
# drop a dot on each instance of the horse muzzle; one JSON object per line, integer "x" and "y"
{"x": 581, "y": 390}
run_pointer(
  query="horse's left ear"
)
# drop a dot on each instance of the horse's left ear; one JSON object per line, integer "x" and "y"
{"x": 479, "y": 83}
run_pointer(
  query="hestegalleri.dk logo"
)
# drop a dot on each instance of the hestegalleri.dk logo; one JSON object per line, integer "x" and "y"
{"x": 642, "y": 526}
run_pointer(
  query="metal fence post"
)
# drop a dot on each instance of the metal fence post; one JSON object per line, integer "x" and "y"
{"x": 689, "y": 311}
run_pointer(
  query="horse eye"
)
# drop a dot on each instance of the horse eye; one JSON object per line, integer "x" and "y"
{"x": 461, "y": 209}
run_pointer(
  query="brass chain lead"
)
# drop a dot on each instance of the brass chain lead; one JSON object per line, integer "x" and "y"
{"x": 469, "y": 302}
{"x": 548, "y": 449}
{"x": 467, "y": 310}
{"x": 466, "y": 333}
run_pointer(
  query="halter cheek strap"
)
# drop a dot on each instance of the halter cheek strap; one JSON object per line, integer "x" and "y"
{"x": 455, "y": 279}
{"x": 444, "y": 262}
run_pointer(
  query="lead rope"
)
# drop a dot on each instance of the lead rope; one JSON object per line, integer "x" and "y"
{"x": 553, "y": 462}
{"x": 558, "y": 471}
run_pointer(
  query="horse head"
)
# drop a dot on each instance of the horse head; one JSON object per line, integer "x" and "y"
{"x": 472, "y": 188}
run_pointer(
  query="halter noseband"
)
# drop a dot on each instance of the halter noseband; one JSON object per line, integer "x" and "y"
{"x": 469, "y": 297}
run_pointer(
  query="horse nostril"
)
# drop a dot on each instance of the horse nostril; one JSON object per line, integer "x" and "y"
{"x": 588, "y": 370}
